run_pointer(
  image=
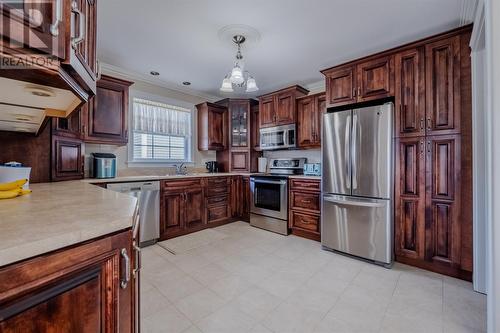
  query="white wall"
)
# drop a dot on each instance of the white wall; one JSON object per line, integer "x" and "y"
{"x": 161, "y": 94}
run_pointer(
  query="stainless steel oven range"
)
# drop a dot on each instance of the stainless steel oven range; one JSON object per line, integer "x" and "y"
{"x": 269, "y": 195}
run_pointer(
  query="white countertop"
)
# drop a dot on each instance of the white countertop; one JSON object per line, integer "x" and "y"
{"x": 57, "y": 215}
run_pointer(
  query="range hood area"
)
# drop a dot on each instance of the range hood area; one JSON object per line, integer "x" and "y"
{"x": 26, "y": 105}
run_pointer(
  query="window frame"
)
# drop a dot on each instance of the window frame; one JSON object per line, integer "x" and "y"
{"x": 131, "y": 162}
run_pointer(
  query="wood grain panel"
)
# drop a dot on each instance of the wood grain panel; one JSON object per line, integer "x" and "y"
{"x": 375, "y": 79}
{"x": 341, "y": 86}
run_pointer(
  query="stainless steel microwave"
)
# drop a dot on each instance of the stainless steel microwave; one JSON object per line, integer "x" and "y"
{"x": 278, "y": 137}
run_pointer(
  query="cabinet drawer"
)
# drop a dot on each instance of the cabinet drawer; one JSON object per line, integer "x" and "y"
{"x": 218, "y": 200}
{"x": 217, "y": 191}
{"x": 217, "y": 213}
{"x": 305, "y": 184}
{"x": 188, "y": 182}
{"x": 305, "y": 221}
{"x": 305, "y": 200}
{"x": 218, "y": 181}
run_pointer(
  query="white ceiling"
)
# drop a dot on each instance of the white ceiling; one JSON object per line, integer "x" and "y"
{"x": 178, "y": 38}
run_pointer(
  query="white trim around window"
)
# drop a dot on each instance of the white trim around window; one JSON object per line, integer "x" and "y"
{"x": 159, "y": 162}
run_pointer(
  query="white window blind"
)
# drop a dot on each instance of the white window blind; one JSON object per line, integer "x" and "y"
{"x": 161, "y": 132}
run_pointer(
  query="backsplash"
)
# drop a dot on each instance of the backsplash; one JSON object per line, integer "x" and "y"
{"x": 312, "y": 155}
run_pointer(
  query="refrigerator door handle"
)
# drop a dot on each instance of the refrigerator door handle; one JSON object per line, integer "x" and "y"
{"x": 354, "y": 151}
{"x": 346, "y": 151}
{"x": 355, "y": 202}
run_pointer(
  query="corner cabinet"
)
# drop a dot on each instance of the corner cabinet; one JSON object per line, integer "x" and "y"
{"x": 106, "y": 115}
{"x": 279, "y": 108}
{"x": 212, "y": 126}
{"x": 86, "y": 288}
{"x": 310, "y": 111}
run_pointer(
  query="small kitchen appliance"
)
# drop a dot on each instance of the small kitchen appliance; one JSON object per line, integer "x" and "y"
{"x": 278, "y": 137}
{"x": 212, "y": 166}
{"x": 103, "y": 165}
{"x": 312, "y": 169}
{"x": 262, "y": 165}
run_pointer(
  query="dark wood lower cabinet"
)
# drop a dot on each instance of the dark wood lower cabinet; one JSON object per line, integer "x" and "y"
{"x": 245, "y": 214}
{"x": 71, "y": 290}
{"x": 429, "y": 223}
{"x": 305, "y": 208}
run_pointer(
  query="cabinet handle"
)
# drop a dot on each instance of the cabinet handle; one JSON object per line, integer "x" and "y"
{"x": 354, "y": 92}
{"x": 306, "y": 201}
{"x": 54, "y": 27}
{"x": 82, "y": 22}
{"x": 359, "y": 91}
{"x": 126, "y": 274}
{"x": 421, "y": 147}
{"x": 422, "y": 124}
{"x": 428, "y": 146}
{"x": 429, "y": 123}
{"x": 138, "y": 259}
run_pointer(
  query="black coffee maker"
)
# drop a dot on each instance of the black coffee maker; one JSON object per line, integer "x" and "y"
{"x": 212, "y": 166}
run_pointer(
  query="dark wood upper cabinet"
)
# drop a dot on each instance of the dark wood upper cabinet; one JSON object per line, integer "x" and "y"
{"x": 310, "y": 111}
{"x": 375, "y": 79}
{"x": 266, "y": 111}
{"x": 106, "y": 115}
{"x": 279, "y": 108}
{"x": 341, "y": 86}
{"x": 410, "y": 93}
{"x": 410, "y": 198}
{"x": 443, "y": 86}
{"x": 80, "y": 289}
{"x": 212, "y": 126}
{"x": 67, "y": 158}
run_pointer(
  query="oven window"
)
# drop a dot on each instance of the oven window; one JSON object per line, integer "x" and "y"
{"x": 267, "y": 196}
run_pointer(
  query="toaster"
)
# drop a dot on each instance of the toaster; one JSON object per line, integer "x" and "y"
{"x": 102, "y": 165}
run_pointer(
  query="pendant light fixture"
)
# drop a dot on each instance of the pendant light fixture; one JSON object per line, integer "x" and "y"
{"x": 238, "y": 76}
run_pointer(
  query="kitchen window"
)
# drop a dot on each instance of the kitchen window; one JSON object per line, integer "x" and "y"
{"x": 161, "y": 132}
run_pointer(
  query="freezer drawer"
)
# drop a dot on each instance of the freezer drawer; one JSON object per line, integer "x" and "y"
{"x": 358, "y": 226}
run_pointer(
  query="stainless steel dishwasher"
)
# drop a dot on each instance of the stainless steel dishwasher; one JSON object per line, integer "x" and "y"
{"x": 148, "y": 194}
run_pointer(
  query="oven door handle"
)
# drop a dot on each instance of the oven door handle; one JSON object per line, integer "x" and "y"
{"x": 276, "y": 182}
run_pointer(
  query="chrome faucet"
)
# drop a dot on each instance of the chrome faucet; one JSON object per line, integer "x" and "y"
{"x": 180, "y": 169}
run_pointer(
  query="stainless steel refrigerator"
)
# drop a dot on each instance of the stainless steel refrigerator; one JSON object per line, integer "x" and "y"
{"x": 357, "y": 182}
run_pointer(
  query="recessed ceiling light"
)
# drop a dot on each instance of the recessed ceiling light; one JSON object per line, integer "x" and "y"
{"x": 186, "y": 83}
{"x": 154, "y": 73}
{"x": 40, "y": 91}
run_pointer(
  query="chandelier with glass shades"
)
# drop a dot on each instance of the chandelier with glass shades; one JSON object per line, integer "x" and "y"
{"x": 239, "y": 77}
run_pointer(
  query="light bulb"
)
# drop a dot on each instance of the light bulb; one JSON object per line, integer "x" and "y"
{"x": 251, "y": 85}
{"x": 226, "y": 85}
{"x": 237, "y": 75}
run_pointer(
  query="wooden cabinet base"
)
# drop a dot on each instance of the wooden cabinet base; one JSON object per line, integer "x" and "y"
{"x": 306, "y": 234}
{"x": 79, "y": 289}
{"x": 436, "y": 267}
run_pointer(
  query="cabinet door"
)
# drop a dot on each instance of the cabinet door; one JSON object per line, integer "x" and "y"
{"x": 240, "y": 121}
{"x": 443, "y": 244}
{"x": 375, "y": 79}
{"x": 266, "y": 112}
{"x": 320, "y": 109}
{"x": 69, "y": 127}
{"x": 171, "y": 213}
{"x": 240, "y": 161}
{"x": 107, "y": 112}
{"x": 246, "y": 197}
{"x": 306, "y": 119}
{"x": 410, "y": 93}
{"x": 341, "y": 86}
{"x": 194, "y": 208}
{"x": 254, "y": 127}
{"x": 285, "y": 108}
{"x": 67, "y": 158}
{"x": 216, "y": 124}
{"x": 236, "y": 197}
{"x": 33, "y": 25}
{"x": 85, "y": 51}
{"x": 443, "y": 86}
{"x": 73, "y": 290}
{"x": 410, "y": 198}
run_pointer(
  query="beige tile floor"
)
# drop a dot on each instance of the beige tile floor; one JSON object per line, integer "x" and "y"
{"x": 257, "y": 281}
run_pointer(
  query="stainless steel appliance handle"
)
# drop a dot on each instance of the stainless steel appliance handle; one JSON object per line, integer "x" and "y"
{"x": 82, "y": 22}
{"x": 138, "y": 259}
{"x": 346, "y": 151}
{"x": 354, "y": 152}
{"x": 276, "y": 182}
{"x": 355, "y": 203}
{"x": 135, "y": 220}
{"x": 126, "y": 278}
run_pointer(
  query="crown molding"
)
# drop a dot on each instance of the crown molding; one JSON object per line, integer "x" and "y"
{"x": 468, "y": 11}
{"x": 316, "y": 87}
{"x": 134, "y": 76}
